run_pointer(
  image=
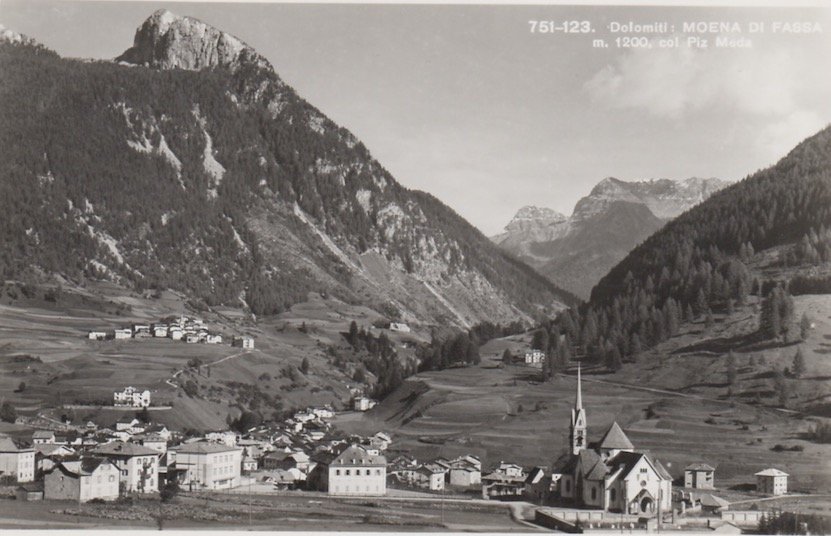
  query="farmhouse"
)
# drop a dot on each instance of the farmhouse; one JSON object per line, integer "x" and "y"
{"x": 244, "y": 342}
{"x": 47, "y": 455}
{"x": 97, "y": 335}
{"x": 430, "y": 476}
{"x": 699, "y": 476}
{"x": 138, "y": 465}
{"x": 210, "y": 465}
{"x": 213, "y": 338}
{"x": 610, "y": 475}
{"x": 31, "y": 491}
{"x": 82, "y": 480}
{"x": 132, "y": 397}
{"x": 772, "y": 482}
{"x": 15, "y": 461}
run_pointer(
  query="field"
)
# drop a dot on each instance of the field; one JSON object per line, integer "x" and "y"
{"x": 291, "y": 511}
{"x": 673, "y": 403}
{"x": 44, "y": 349}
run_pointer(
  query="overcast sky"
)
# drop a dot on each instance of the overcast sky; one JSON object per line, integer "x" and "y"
{"x": 465, "y": 103}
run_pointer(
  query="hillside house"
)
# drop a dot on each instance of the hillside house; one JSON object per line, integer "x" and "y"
{"x": 192, "y": 338}
{"x": 16, "y": 461}
{"x": 226, "y": 437}
{"x": 244, "y": 342}
{"x": 138, "y": 465}
{"x": 132, "y": 397}
{"x": 534, "y": 357}
{"x": 160, "y": 330}
{"x": 82, "y": 480}
{"x": 213, "y": 338}
{"x": 699, "y": 476}
{"x": 123, "y": 333}
{"x": 97, "y": 335}
{"x": 772, "y": 482}
{"x": 400, "y": 327}
{"x": 325, "y": 412}
{"x": 210, "y": 465}
{"x": 464, "y": 476}
{"x": 354, "y": 472}
{"x": 175, "y": 333}
{"x": 153, "y": 442}
{"x": 362, "y": 403}
{"x": 249, "y": 464}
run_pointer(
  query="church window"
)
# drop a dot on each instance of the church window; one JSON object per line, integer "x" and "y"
{"x": 613, "y": 495}
{"x": 594, "y": 494}
{"x": 568, "y": 486}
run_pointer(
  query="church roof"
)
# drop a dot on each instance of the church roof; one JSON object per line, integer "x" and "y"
{"x": 614, "y": 438}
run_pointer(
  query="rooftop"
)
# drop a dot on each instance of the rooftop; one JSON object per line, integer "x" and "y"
{"x": 204, "y": 447}
{"x": 119, "y": 448}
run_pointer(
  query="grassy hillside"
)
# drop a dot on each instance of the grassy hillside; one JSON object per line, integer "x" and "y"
{"x": 44, "y": 346}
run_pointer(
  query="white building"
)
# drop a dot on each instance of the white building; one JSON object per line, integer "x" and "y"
{"x": 209, "y": 465}
{"x": 355, "y": 472}
{"x": 175, "y": 333}
{"x": 97, "y": 335}
{"x": 138, "y": 465}
{"x": 400, "y": 327}
{"x": 125, "y": 333}
{"x": 362, "y": 403}
{"x": 534, "y": 356}
{"x": 213, "y": 338}
{"x": 132, "y": 397}
{"x": 227, "y": 438}
{"x": 16, "y": 461}
{"x": 772, "y": 482}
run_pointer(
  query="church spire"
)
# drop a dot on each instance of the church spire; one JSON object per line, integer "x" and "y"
{"x": 578, "y": 418}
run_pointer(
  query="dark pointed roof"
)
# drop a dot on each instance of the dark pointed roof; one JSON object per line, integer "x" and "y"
{"x": 614, "y": 438}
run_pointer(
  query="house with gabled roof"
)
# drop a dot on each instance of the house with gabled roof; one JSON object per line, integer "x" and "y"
{"x": 138, "y": 465}
{"x": 353, "y": 472}
{"x": 772, "y": 482}
{"x": 82, "y": 480}
{"x": 610, "y": 474}
{"x": 699, "y": 476}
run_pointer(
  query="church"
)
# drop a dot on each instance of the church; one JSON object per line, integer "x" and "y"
{"x": 609, "y": 475}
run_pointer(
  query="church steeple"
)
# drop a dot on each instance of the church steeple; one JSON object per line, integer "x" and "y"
{"x": 578, "y": 419}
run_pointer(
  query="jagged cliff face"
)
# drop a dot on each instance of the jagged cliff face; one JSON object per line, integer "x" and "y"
{"x": 576, "y": 252}
{"x": 216, "y": 178}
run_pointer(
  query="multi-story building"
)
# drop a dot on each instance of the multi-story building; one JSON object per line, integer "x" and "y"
{"x": 16, "y": 461}
{"x": 132, "y": 397}
{"x": 699, "y": 476}
{"x": 355, "y": 472}
{"x": 138, "y": 465}
{"x": 772, "y": 482}
{"x": 209, "y": 465}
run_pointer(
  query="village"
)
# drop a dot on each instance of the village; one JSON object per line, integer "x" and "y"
{"x": 190, "y": 330}
{"x": 608, "y": 484}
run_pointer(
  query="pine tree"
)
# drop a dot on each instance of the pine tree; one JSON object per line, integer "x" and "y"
{"x": 731, "y": 368}
{"x": 804, "y": 326}
{"x": 798, "y": 367}
{"x": 304, "y": 366}
{"x": 507, "y": 358}
{"x": 708, "y": 319}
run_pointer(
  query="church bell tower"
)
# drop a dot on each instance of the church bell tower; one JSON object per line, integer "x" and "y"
{"x": 578, "y": 420}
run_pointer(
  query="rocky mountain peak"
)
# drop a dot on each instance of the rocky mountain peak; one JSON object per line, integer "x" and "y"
{"x": 538, "y": 213}
{"x": 169, "y": 41}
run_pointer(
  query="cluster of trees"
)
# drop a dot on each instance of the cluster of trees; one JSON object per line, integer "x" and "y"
{"x": 793, "y": 523}
{"x": 381, "y": 360}
{"x": 813, "y": 249}
{"x": 461, "y": 348}
{"x": 8, "y": 413}
{"x": 777, "y": 314}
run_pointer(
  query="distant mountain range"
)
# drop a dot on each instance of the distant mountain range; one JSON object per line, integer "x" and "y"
{"x": 188, "y": 163}
{"x": 575, "y": 252}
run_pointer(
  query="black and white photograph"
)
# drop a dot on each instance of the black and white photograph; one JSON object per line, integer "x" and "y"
{"x": 415, "y": 267}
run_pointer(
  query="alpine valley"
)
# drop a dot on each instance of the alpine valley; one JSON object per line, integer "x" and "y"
{"x": 575, "y": 252}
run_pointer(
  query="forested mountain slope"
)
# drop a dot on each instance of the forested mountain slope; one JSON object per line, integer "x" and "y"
{"x": 707, "y": 259}
{"x": 190, "y": 164}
